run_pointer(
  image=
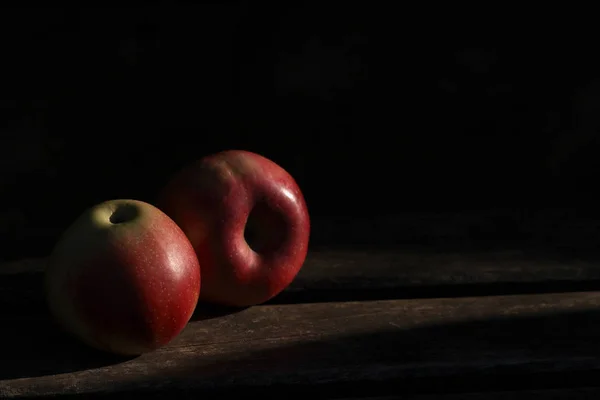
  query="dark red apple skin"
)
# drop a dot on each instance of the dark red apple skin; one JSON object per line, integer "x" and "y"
{"x": 126, "y": 288}
{"x": 211, "y": 200}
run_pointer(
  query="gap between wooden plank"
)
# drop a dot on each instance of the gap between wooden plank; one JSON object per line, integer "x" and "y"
{"x": 377, "y": 275}
{"x": 370, "y": 348}
{"x": 586, "y": 393}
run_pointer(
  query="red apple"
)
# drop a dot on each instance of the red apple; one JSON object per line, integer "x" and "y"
{"x": 123, "y": 278}
{"x": 248, "y": 222}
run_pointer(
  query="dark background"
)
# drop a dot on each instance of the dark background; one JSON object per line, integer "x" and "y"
{"x": 400, "y": 128}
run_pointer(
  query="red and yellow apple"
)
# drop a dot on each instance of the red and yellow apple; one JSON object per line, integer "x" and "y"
{"x": 247, "y": 220}
{"x": 123, "y": 278}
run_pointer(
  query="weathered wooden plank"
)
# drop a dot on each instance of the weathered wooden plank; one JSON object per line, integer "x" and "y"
{"x": 348, "y": 348}
{"x": 369, "y": 275}
{"x": 355, "y": 274}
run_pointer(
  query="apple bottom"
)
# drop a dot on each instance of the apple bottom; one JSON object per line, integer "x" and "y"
{"x": 253, "y": 283}
{"x": 110, "y": 312}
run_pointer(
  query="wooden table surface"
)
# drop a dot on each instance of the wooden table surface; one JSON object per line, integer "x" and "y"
{"x": 354, "y": 324}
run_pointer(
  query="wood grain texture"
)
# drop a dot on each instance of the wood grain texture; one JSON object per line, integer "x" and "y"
{"x": 379, "y": 275}
{"x": 374, "y": 348}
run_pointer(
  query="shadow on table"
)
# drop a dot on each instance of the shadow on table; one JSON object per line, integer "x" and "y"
{"x": 33, "y": 346}
{"x": 206, "y": 311}
{"x": 322, "y": 295}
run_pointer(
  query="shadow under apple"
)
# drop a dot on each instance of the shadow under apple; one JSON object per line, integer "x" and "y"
{"x": 33, "y": 345}
{"x": 205, "y": 311}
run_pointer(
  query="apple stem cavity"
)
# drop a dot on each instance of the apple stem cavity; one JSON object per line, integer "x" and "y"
{"x": 265, "y": 230}
{"x": 123, "y": 213}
